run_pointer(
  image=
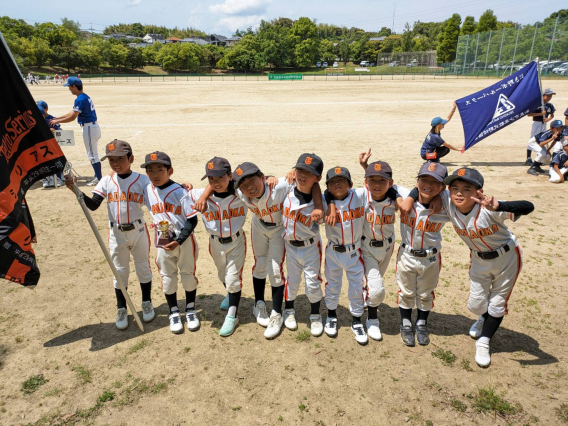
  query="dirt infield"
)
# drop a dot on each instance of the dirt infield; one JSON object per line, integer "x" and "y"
{"x": 64, "y": 329}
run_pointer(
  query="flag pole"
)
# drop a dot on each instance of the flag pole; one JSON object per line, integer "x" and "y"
{"x": 539, "y": 83}
{"x": 81, "y": 199}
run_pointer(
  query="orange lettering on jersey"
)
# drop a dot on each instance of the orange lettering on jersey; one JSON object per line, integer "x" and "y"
{"x": 123, "y": 197}
{"x": 420, "y": 226}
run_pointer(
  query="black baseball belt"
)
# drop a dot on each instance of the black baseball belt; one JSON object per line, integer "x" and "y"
{"x": 301, "y": 243}
{"x": 488, "y": 255}
{"x": 419, "y": 253}
{"x": 126, "y": 226}
{"x": 268, "y": 224}
{"x": 379, "y": 243}
{"x": 226, "y": 240}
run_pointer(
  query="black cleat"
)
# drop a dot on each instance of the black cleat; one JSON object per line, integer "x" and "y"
{"x": 407, "y": 335}
{"x": 532, "y": 171}
{"x": 528, "y": 162}
{"x": 422, "y": 335}
{"x": 539, "y": 170}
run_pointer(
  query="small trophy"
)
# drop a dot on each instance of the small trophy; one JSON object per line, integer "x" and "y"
{"x": 165, "y": 235}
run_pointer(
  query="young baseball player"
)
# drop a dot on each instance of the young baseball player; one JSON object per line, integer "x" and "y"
{"x": 496, "y": 257}
{"x": 128, "y": 235}
{"x": 558, "y": 170}
{"x": 434, "y": 147}
{"x": 542, "y": 144}
{"x": 172, "y": 207}
{"x": 540, "y": 117}
{"x": 224, "y": 220}
{"x": 49, "y": 182}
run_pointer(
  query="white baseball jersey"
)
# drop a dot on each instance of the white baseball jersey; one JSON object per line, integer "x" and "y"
{"x": 269, "y": 206}
{"x": 224, "y": 216}
{"x": 298, "y": 224}
{"x": 379, "y": 216}
{"x": 350, "y": 215}
{"x": 421, "y": 228}
{"x": 125, "y": 197}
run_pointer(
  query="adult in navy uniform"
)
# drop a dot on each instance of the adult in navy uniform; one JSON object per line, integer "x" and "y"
{"x": 541, "y": 117}
{"x": 84, "y": 112}
{"x": 434, "y": 147}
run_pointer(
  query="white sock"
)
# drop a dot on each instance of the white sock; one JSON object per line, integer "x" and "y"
{"x": 190, "y": 305}
{"x": 483, "y": 340}
{"x": 420, "y": 322}
{"x": 406, "y": 322}
{"x": 233, "y": 311}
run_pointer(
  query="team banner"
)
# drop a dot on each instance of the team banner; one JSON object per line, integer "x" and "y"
{"x": 495, "y": 107}
{"x": 28, "y": 152}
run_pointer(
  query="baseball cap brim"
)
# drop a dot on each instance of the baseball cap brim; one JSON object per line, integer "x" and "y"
{"x": 214, "y": 173}
{"x": 341, "y": 175}
{"x": 434, "y": 175}
{"x": 451, "y": 178}
{"x": 312, "y": 170}
{"x": 164, "y": 162}
{"x": 117, "y": 154}
{"x": 243, "y": 176}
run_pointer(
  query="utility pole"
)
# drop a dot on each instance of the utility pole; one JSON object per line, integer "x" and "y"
{"x": 393, "y": 12}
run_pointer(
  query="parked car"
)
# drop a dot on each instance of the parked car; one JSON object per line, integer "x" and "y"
{"x": 550, "y": 66}
{"x": 394, "y": 64}
{"x": 372, "y": 64}
{"x": 364, "y": 63}
{"x": 324, "y": 65}
{"x": 318, "y": 64}
{"x": 559, "y": 69}
{"x": 335, "y": 65}
{"x": 410, "y": 65}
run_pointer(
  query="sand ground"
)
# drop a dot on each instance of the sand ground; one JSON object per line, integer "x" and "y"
{"x": 64, "y": 329}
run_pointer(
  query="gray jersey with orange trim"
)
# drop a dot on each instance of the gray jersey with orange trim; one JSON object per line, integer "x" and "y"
{"x": 481, "y": 230}
{"x": 298, "y": 224}
{"x": 269, "y": 206}
{"x": 421, "y": 229}
{"x": 350, "y": 214}
{"x": 125, "y": 197}
{"x": 224, "y": 216}
{"x": 379, "y": 216}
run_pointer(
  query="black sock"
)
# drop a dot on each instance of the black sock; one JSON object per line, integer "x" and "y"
{"x": 356, "y": 320}
{"x": 423, "y": 315}
{"x": 315, "y": 308}
{"x": 289, "y": 304}
{"x": 332, "y": 313}
{"x": 190, "y": 297}
{"x": 234, "y": 300}
{"x": 372, "y": 312}
{"x": 529, "y": 152}
{"x": 405, "y": 314}
{"x": 490, "y": 326}
{"x": 277, "y": 298}
{"x": 259, "y": 286}
{"x": 120, "y": 300}
{"x": 146, "y": 291}
{"x": 485, "y": 315}
{"x": 536, "y": 164}
{"x": 172, "y": 301}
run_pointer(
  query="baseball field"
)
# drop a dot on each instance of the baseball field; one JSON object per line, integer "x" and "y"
{"x": 62, "y": 360}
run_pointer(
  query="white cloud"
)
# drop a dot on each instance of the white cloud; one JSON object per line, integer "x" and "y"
{"x": 240, "y": 7}
{"x": 133, "y": 2}
{"x": 233, "y": 23}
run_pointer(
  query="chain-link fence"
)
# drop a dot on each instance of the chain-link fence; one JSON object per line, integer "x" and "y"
{"x": 502, "y": 52}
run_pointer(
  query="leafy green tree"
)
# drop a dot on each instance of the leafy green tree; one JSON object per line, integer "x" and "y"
{"x": 41, "y": 51}
{"x": 73, "y": 26}
{"x": 327, "y": 51}
{"x": 135, "y": 58}
{"x": 276, "y": 43}
{"x": 90, "y": 56}
{"x": 407, "y": 39}
{"x": 212, "y": 54}
{"x": 116, "y": 55}
{"x": 468, "y": 26}
{"x": 446, "y": 51}
{"x": 306, "y": 42}
{"x": 17, "y": 27}
{"x": 392, "y": 43}
{"x": 150, "y": 53}
{"x": 245, "y": 56}
{"x": 384, "y": 32}
{"x": 371, "y": 50}
{"x": 487, "y": 22}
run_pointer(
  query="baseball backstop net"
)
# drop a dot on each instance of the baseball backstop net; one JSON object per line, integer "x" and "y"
{"x": 501, "y": 52}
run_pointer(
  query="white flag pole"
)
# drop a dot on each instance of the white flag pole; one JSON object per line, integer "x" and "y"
{"x": 539, "y": 83}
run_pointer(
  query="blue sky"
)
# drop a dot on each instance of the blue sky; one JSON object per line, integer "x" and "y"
{"x": 225, "y": 16}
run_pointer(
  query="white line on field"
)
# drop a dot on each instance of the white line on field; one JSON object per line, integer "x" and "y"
{"x": 246, "y": 124}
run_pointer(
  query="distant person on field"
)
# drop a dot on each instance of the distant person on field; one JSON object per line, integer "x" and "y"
{"x": 540, "y": 118}
{"x": 434, "y": 147}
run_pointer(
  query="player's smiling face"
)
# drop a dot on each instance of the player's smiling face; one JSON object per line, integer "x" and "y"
{"x": 120, "y": 165}
{"x": 428, "y": 188}
{"x": 378, "y": 186}
{"x": 220, "y": 183}
{"x": 461, "y": 193}
{"x": 305, "y": 180}
{"x": 252, "y": 186}
{"x": 339, "y": 187}
{"x": 159, "y": 174}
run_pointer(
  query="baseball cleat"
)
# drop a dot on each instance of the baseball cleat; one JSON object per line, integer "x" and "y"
{"x": 475, "y": 329}
{"x": 259, "y": 312}
{"x": 422, "y": 335}
{"x": 148, "y": 313}
{"x": 176, "y": 326}
{"x": 60, "y": 182}
{"x": 407, "y": 335}
{"x": 482, "y": 355}
{"x": 93, "y": 182}
{"x": 331, "y": 326}
{"x": 532, "y": 171}
{"x": 121, "y": 319}
{"x": 192, "y": 320}
{"x": 316, "y": 325}
{"x": 539, "y": 170}
{"x": 528, "y": 162}
{"x": 359, "y": 332}
{"x": 290, "y": 319}
{"x": 225, "y": 303}
{"x": 229, "y": 326}
{"x": 46, "y": 183}
{"x": 373, "y": 329}
{"x": 274, "y": 326}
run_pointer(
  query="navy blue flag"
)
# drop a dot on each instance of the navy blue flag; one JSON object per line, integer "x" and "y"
{"x": 495, "y": 107}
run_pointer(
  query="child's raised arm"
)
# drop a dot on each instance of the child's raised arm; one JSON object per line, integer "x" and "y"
{"x": 201, "y": 203}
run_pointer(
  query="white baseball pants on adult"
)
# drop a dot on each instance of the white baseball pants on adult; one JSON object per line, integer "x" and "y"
{"x": 122, "y": 244}
{"x": 417, "y": 278}
{"x": 91, "y": 136}
{"x": 492, "y": 282}
{"x": 182, "y": 258}
{"x": 537, "y": 127}
{"x": 541, "y": 155}
{"x": 352, "y": 263}
{"x": 555, "y": 177}
{"x": 230, "y": 261}
{"x": 268, "y": 250}
{"x": 376, "y": 261}
{"x": 305, "y": 259}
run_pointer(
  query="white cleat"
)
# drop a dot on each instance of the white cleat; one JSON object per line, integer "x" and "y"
{"x": 331, "y": 326}
{"x": 176, "y": 326}
{"x": 121, "y": 319}
{"x": 482, "y": 355}
{"x": 476, "y": 328}
{"x": 259, "y": 312}
{"x": 148, "y": 313}
{"x": 93, "y": 182}
{"x": 316, "y": 325}
{"x": 374, "y": 330}
{"x": 359, "y": 332}
{"x": 290, "y": 319}
{"x": 274, "y": 326}
{"x": 192, "y": 320}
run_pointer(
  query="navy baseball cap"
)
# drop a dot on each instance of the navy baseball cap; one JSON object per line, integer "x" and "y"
{"x": 311, "y": 163}
{"x": 73, "y": 81}
{"x": 41, "y": 104}
{"x": 217, "y": 166}
{"x": 548, "y": 92}
{"x": 157, "y": 157}
{"x": 379, "y": 168}
{"x": 438, "y": 120}
{"x": 41, "y": 110}
{"x": 555, "y": 124}
{"x": 117, "y": 148}
{"x": 465, "y": 173}
{"x": 242, "y": 171}
{"x": 436, "y": 170}
{"x": 338, "y": 172}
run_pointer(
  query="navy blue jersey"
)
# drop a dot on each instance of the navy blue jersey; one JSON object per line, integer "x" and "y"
{"x": 432, "y": 141}
{"x": 48, "y": 118}
{"x": 559, "y": 159}
{"x": 548, "y": 108}
{"x": 541, "y": 137}
{"x": 566, "y": 112}
{"x": 86, "y": 109}
{"x": 565, "y": 132}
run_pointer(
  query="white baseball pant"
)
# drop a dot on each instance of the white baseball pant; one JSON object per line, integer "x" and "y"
{"x": 122, "y": 244}
{"x": 268, "y": 250}
{"x": 230, "y": 261}
{"x": 182, "y": 258}
{"x": 305, "y": 259}
{"x": 417, "y": 277}
{"x": 541, "y": 155}
{"x": 352, "y": 263}
{"x": 376, "y": 261}
{"x": 555, "y": 177}
{"x": 492, "y": 282}
{"x": 91, "y": 136}
{"x": 537, "y": 127}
